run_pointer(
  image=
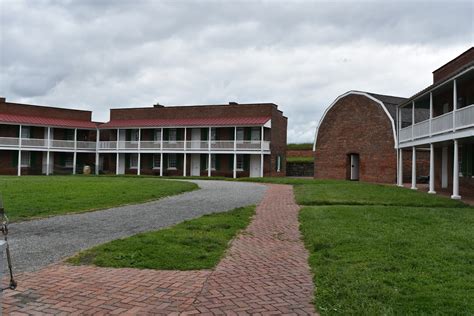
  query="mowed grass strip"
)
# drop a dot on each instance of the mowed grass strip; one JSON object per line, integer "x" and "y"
{"x": 29, "y": 197}
{"x": 386, "y": 260}
{"x": 191, "y": 245}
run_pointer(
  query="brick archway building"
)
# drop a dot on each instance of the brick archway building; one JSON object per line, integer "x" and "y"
{"x": 358, "y": 128}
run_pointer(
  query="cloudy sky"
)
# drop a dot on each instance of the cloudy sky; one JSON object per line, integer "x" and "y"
{"x": 98, "y": 54}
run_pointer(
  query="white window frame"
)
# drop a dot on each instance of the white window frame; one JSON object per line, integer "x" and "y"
{"x": 155, "y": 157}
{"x": 133, "y": 158}
{"x": 240, "y": 160}
{"x": 134, "y": 136}
{"x": 25, "y": 156}
{"x": 175, "y": 160}
{"x": 240, "y": 135}
{"x": 68, "y": 161}
{"x": 174, "y": 132}
{"x": 25, "y": 132}
{"x": 278, "y": 163}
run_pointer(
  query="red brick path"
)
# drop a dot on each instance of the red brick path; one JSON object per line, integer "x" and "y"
{"x": 265, "y": 272}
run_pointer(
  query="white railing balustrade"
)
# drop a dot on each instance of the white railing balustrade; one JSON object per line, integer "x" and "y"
{"x": 405, "y": 134}
{"x": 150, "y": 144}
{"x": 84, "y": 145}
{"x": 9, "y": 141}
{"x": 222, "y": 145}
{"x": 421, "y": 129}
{"x": 197, "y": 145}
{"x": 179, "y": 144}
{"x": 67, "y": 144}
{"x": 248, "y": 145}
{"x": 34, "y": 142}
{"x": 465, "y": 117}
{"x": 442, "y": 123}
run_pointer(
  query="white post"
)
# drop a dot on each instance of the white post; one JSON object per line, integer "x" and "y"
{"x": 209, "y": 155}
{"x": 117, "y": 156}
{"x": 456, "y": 195}
{"x": 235, "y": 153}
{"x": 413, "y": 169}
{"x": 261, "y": 165}
{"x": 47, "y": 152}
{"x": 161, "y": 153}
{"x": 139, "y": 164}
{"x": 74, "y": 157}
{"x": 455, "y": 103}
{"x": 185, "y": 146}
{"x": 431, "y": 110}
{"x": 432, "y": 173}
{"x": 412, "y": 119}
{"x": 261, "y": 152}
{"x": 400, "y": 167}
{"x": 19, "y": 152}
{"x": 97, "y": 152}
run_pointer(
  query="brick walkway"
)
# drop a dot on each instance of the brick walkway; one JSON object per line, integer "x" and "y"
{"x": 265, "y": 272}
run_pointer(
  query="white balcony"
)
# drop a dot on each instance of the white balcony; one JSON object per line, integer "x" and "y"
{"x": 440, "y": 125}
{"x": 42, "y": 144}
{"x": 181, "y": 146}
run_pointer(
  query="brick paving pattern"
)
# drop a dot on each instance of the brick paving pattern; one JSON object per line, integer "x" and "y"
{"x": 265, "y": 272}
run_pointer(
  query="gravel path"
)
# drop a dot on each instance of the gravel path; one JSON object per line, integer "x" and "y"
{"x": 37, "y": 243}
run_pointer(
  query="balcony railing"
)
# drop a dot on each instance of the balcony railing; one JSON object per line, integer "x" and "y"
{"x": 441, "y": 124}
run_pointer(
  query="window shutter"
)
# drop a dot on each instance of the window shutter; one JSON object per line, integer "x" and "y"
{"x": 246, "y": 162}
{"x": 166, "y": 134}
{"x": 231, "y": 162}
{"x": 165, "y": 161}
{"x": 204, "y": 133}
{"x": 469, "y": 162}
{"x": 218, "y": 162}
{"x": 127, "y": 161}
{"x": 33, "y": 157}
{"x": 128, "y": 135}
{"x": 15, "y": 159}
{"x": 203, "y": 161}
{"x": 248, "y": 132}
{"x": 62, "y": 159}
{"x": 179, "y": 161}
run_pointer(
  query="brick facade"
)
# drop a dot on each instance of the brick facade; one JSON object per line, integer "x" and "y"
{"x": 356, "y": 125}
{"x": 452, "y": 66}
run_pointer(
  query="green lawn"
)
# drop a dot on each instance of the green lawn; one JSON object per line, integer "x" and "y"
{"x": 300, "y": 146}
{"x": 299, "y": 159}
{"x": 195, "y": 244}
{"x": 40, "y": 196}
{"x": 384, "y": 250}
{"x": 386, "y": 260}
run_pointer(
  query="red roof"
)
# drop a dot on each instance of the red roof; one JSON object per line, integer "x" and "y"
{"x": 45, "y": 121}
{"x": 211, "y": 121}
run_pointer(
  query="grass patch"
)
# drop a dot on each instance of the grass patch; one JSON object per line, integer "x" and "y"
{"x": 302, "y": 146}
{"x": 379, "y": 260}
{"x": 299, "y": 159}
{"x": 29, "y": 197}
{"x": 195, "y": 244}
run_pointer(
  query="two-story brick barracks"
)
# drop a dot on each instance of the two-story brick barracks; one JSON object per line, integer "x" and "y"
{"x": 232, "y": 140}
{"x": 379, "y": 138}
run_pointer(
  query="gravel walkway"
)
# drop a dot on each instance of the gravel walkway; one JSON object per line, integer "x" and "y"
{"x": 35, "y": 244}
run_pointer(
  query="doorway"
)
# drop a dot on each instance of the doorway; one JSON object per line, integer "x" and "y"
{"x": 195, "y": 165}
{"x": 255, "y": 166}
{"x": 354, "y": 162}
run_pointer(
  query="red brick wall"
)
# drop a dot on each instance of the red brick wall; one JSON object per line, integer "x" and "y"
{"x": 43, "y": 111}
{"x": 356, "y": 124}
{"x": 422, "y": 164}
{"x": 455, "y": 64}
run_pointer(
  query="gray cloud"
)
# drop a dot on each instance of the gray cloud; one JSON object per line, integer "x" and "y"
{"x": 298, "y": 54}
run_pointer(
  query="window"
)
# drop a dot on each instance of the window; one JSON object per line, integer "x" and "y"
{"x": 255, "y": 136}
{"x": 278, "y": 163}
{"x": 133, "y": 161}
{"x": 172, "y": 135}
{"x": 134, "y": 135}
{"x": 157, "y": 135}
{"x": 172, "y": 161}
{"x": 466, "y": 160}
{"x": 25, "y": 132}
{"x": 68, "y": 161}
{"x": 25, "y": 159}
{"x": 69, "y": 134}
{"x": 213, "y": 162}
{"x": 213, "y": 134}
{"x": 240, "y": 162}
{"x": 156, "y": 161}
{"x": 240, "y": 134}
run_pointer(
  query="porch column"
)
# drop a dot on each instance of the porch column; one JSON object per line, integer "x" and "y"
{"x": 413, "y": 169}
{"x": 432, "y": 173}
{"x": 456, "y": 195}
{"x": 261, "y": 165}
{"x": 235, "y": 154}
{"x": 74, "y": 156}
{"x": 117, "y": 156}
{"x": 161, "y": 153}
{"x": 455, "y": 103}
{"x": 97, "y": 152}
{"x": 431, "y": 110}
{"x": 209, "y": 156}
{"x": 185, "y": 146}
{"x": 47, "y": 152}
{"x": 19, "y": 152}
{"x": 139, "y": 162}
{"x": 412, "y": 119}
{"x": 400, "y": 167}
